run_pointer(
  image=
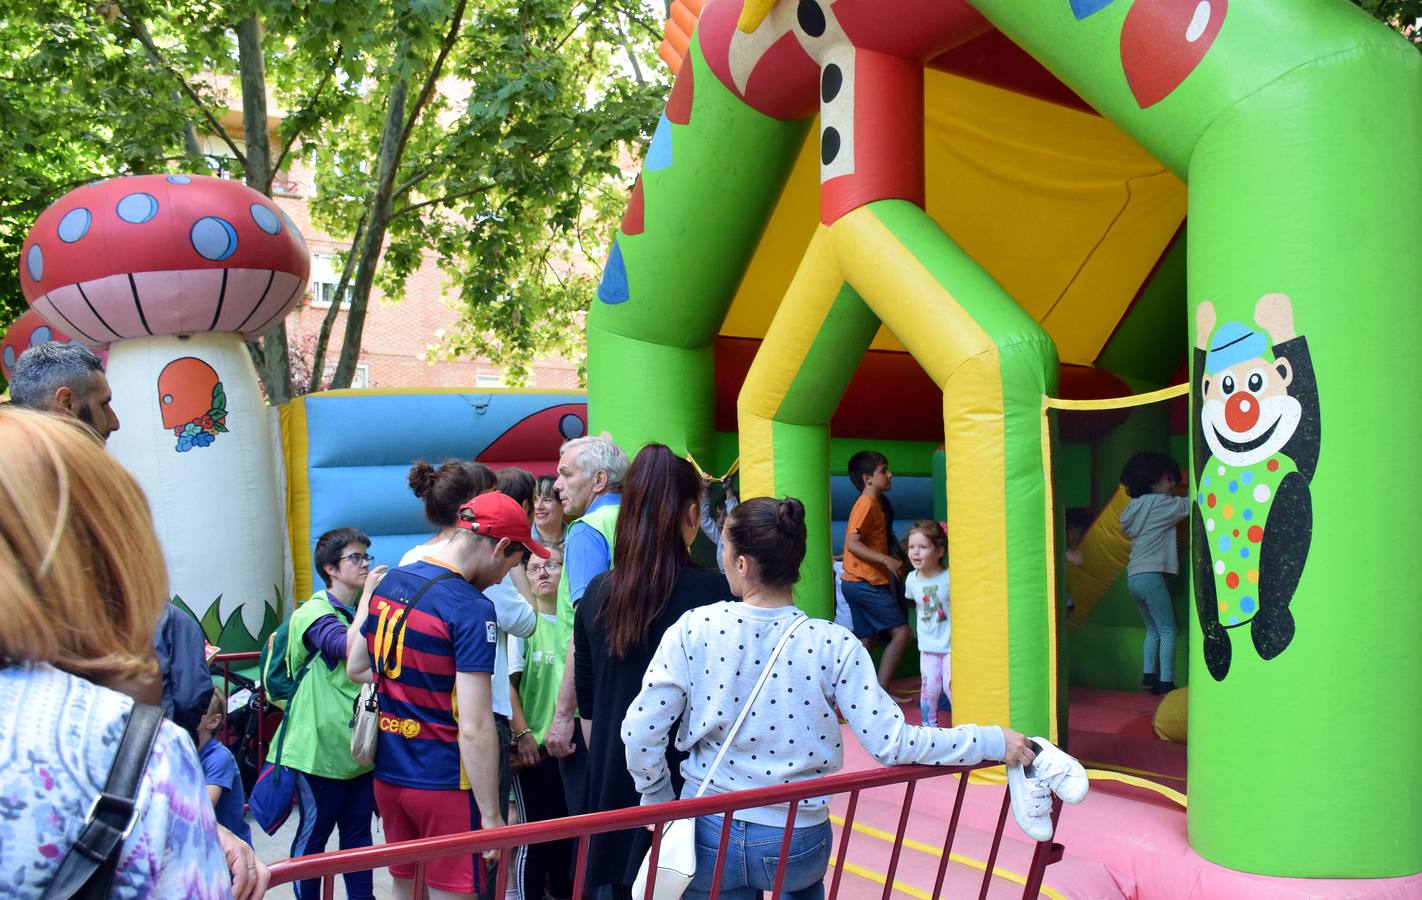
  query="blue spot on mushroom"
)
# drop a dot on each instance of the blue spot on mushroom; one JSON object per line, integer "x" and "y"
{"x": 265, "y": 219}
{"x": 40, "y": 335}
{"x": 9, "y": 357}
{"x": 137, "y": 208}
{"x": 213, "y": 238}
{"x": 34, "y": 262}
{"x": 179, "y": 179}
{"x": 613, "y": 287}
{"x": 292, "y": 225}
{"x": 74, "y": 225}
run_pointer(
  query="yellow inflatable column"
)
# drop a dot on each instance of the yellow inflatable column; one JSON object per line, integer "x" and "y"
{"x": 994, "y": 364}
{"x": 810, "y": 352}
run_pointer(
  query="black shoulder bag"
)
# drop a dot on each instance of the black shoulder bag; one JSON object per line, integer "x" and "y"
{"x": 87, "y": 870}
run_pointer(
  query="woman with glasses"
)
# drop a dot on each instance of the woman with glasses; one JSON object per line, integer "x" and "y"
{"x": 618, "y": 625}
{"x": 536, "y": 671}
{"x": 548, "y": 526}
{"x": 332, "y": 789}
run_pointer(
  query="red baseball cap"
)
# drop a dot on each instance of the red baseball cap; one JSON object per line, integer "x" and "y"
{"x": 498, "y": 516}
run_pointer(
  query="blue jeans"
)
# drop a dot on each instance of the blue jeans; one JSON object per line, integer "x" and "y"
{"x": 752, "y": 856}
{"x": 1152, "y": 598}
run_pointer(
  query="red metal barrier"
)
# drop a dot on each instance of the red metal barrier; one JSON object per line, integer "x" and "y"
{"x": 327, "y": 866}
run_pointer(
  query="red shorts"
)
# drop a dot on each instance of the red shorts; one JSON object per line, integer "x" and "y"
{"x": 412, "y": 813}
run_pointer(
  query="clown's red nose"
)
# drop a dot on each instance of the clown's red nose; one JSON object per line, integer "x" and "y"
{"x": 1242, "y": 412}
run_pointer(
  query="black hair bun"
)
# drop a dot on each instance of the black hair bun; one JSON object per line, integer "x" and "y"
{"x": 422, "y": 478}
{"x": 790, "y": 514}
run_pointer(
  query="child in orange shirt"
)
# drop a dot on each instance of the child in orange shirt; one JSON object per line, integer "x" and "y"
{"x": 869, "y": 570}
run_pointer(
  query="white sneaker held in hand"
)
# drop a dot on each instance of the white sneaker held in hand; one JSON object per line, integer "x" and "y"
{"x": 1058, "y": 770}
{"x": 1031, "y": 803}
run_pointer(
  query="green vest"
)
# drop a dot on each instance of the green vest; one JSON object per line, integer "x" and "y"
{"x": 604, "y": 520}
{"x": 318, "y": 715}
{"x": 543, "y": 661}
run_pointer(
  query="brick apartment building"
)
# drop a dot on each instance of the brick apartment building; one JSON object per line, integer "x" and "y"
{"x": 397, "y": 334}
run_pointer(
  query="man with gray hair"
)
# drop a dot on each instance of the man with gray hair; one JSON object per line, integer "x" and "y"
{"x": 590, "y": 473}
{"x": 67, "y": 379}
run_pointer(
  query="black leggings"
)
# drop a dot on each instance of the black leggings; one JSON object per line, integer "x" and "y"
{"x": 538, "y": 797}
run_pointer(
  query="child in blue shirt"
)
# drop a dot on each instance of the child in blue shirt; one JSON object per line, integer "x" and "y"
{"x": 224, "y": 782}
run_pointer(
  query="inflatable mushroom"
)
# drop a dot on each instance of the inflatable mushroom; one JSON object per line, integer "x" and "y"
{"x": 26, "y": 331}
{"x": 172, "y": 272}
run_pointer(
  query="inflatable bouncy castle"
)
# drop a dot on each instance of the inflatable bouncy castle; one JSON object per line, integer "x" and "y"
{"x": 960, "y": 217}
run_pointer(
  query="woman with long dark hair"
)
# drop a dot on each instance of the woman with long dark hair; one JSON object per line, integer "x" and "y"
{"x": 619, "y": 624}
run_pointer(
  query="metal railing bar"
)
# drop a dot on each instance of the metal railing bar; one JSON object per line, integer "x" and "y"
{"x": 988, "y": 867}
{"x": 845, "y": 831}
{"x": 898, "y": 840}
{"x": 580, "y": 867}
{"x": 948, "y": 838}
{"x": 784, "y": 852}
{"x": 653, "y": 856}
{"x": 722, "y": 848}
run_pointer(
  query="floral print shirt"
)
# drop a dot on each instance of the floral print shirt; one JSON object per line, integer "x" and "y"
{"x": 58, "y": 737}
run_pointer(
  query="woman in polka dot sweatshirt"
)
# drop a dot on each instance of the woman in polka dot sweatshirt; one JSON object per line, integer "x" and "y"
{"x": 705, "y": 667}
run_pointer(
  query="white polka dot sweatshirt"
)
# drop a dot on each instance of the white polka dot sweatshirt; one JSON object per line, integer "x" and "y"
{"x": 705, "y": 668}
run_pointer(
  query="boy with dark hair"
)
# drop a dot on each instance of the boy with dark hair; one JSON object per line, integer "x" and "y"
{"x": 869, "y": 570}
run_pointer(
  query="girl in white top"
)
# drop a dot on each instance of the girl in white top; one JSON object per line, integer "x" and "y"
{"x": 704, "y": 669}
{"x": 927, "y": 587}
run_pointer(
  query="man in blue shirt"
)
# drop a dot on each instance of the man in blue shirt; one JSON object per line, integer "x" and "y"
{"x": 590, "y": 473}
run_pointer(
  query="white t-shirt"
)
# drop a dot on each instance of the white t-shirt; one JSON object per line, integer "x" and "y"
{"x": 516, "y": 645}
{"x": 515, "y": 616}
{"x": 930, "y": 600}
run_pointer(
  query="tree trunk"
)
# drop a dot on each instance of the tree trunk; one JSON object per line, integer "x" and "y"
{"x": 328, "y": 321}
{"x": 276, "y": 362}
{"x": 374, "y": 238}
{"x": 190, "y": 136}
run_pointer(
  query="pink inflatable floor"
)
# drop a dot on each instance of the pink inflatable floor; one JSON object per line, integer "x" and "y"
{"x": 1122, "y": 842}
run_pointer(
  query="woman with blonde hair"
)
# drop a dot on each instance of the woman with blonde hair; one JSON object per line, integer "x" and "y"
{"x": 82, "y": 582}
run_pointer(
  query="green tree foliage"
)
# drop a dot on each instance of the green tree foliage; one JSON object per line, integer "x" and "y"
{"x": 486, "y": 132}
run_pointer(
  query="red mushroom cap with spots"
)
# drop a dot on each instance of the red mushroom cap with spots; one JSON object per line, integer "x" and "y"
{"x": 26, "y": 331}
{"x": 163, "y": 254}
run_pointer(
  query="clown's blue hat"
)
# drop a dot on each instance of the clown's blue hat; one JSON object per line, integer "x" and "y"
{"x": 1233, "y": 343}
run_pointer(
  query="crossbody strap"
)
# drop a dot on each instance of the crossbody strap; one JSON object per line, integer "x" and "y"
{"x": 87, "y": 870}
{"x": 405, "y": 619}
{"x": 745, "y": 710}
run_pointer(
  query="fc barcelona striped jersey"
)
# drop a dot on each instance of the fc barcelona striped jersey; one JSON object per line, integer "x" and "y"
{"x": 452, "y": 629}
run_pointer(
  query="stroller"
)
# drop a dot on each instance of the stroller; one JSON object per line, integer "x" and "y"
{"x": 251, "y": 722}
